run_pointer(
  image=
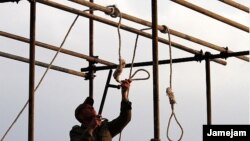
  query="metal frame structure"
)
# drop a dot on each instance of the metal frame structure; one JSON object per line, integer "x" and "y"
{"x": 109, "y": 65}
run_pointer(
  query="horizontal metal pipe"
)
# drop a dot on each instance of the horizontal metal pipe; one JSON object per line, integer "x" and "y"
{"x": 229, "y": 54}
{"x": 144, "y": 64}
{"x": 51, "y": 47}
{"x": 41, "y": 64}
{"x": 207, "y": 44}
{"x": 124, "y": 27}
{"x": 160, "y": 27}
{"x": 236, "y": 5}
{"x": 178, "y": 60}
{"x": 212, "y": 14}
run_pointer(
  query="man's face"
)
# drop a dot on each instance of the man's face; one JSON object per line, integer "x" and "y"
{"x": 88, "y": 112}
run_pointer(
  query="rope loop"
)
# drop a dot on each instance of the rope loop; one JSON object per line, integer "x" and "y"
{"x": 170, "y": 118}
{"x": 135, "y": 79}
{"x": 169, "y": 91}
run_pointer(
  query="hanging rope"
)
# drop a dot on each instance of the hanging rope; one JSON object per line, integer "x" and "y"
{"x": 132, "y": 64}
{"x": 131, "y": 76}
{"x": 43, "y": 76}
{"x": 116, "y": 12}
{"x": 122, "y": 63}
{"x": 170, "y": 93}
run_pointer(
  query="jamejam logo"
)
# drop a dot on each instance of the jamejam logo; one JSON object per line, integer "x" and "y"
{"x": 226, "y": 132}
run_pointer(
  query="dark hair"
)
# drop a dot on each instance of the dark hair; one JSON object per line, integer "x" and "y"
{"x": 88, "y": 101}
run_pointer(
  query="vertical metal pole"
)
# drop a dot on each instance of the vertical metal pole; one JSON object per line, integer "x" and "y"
{"x": 91, "y": 53}
{"x": 32, "y": 70}
{"x": 208, "y": 87}
{"x": 155, "y": 71}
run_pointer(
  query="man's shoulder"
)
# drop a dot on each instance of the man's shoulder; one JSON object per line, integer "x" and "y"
{"x": 76, "y": 129}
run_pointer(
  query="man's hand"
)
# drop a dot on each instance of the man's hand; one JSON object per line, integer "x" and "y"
{"x": 125, "y": 87}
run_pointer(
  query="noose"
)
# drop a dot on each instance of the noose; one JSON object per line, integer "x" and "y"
{"x": 122, "y": 63}
{"x": 170, "y": 93}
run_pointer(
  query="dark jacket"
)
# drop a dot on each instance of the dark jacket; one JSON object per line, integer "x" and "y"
{"x": 107, "y": 130}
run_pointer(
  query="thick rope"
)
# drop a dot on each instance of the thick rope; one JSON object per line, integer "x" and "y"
{"x": 136, "y": 79}
{"x": 131, "y": 76}
{"x": 132, "y": 64}
{"x": 116, "y": 12}
{"x": 170, "y": 93}
{"x": 122, "y": 62}
{"x": 42, "y": 78}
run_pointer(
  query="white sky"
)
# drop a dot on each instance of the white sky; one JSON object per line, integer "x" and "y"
{"x": 60, "y": 93}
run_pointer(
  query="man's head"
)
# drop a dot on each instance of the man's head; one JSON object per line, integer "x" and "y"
{"x": 85, "y": 111}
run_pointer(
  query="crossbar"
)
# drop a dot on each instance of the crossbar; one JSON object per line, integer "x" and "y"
{"x": 212, "y": 15}
{"x": 177, "y": 60}
{"x": 41, "y": 64}
{"x": 124, "y": 27}
{"x": 159, "y": 27}
{"x": 236, "y": 5}
{"x": 54, "y": 48}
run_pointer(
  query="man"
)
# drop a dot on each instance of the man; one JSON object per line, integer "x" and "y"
{"x": 93, "y": 128}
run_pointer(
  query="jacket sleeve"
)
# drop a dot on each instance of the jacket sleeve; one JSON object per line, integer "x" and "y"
{"x": 116, "y": 125}
{"x": 79, "y": 134}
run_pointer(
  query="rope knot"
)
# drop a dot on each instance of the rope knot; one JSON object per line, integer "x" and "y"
{"x": 119, "y": 70}
{"x": 165, "y": 29}
{"x": 115, "y": 12}
{"x": 171, "y": 96}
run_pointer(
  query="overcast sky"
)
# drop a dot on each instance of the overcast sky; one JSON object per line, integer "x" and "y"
{"x": 60, "y": 93}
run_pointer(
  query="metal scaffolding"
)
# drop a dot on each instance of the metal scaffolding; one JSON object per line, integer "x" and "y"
{"x": 198, "y": 55}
